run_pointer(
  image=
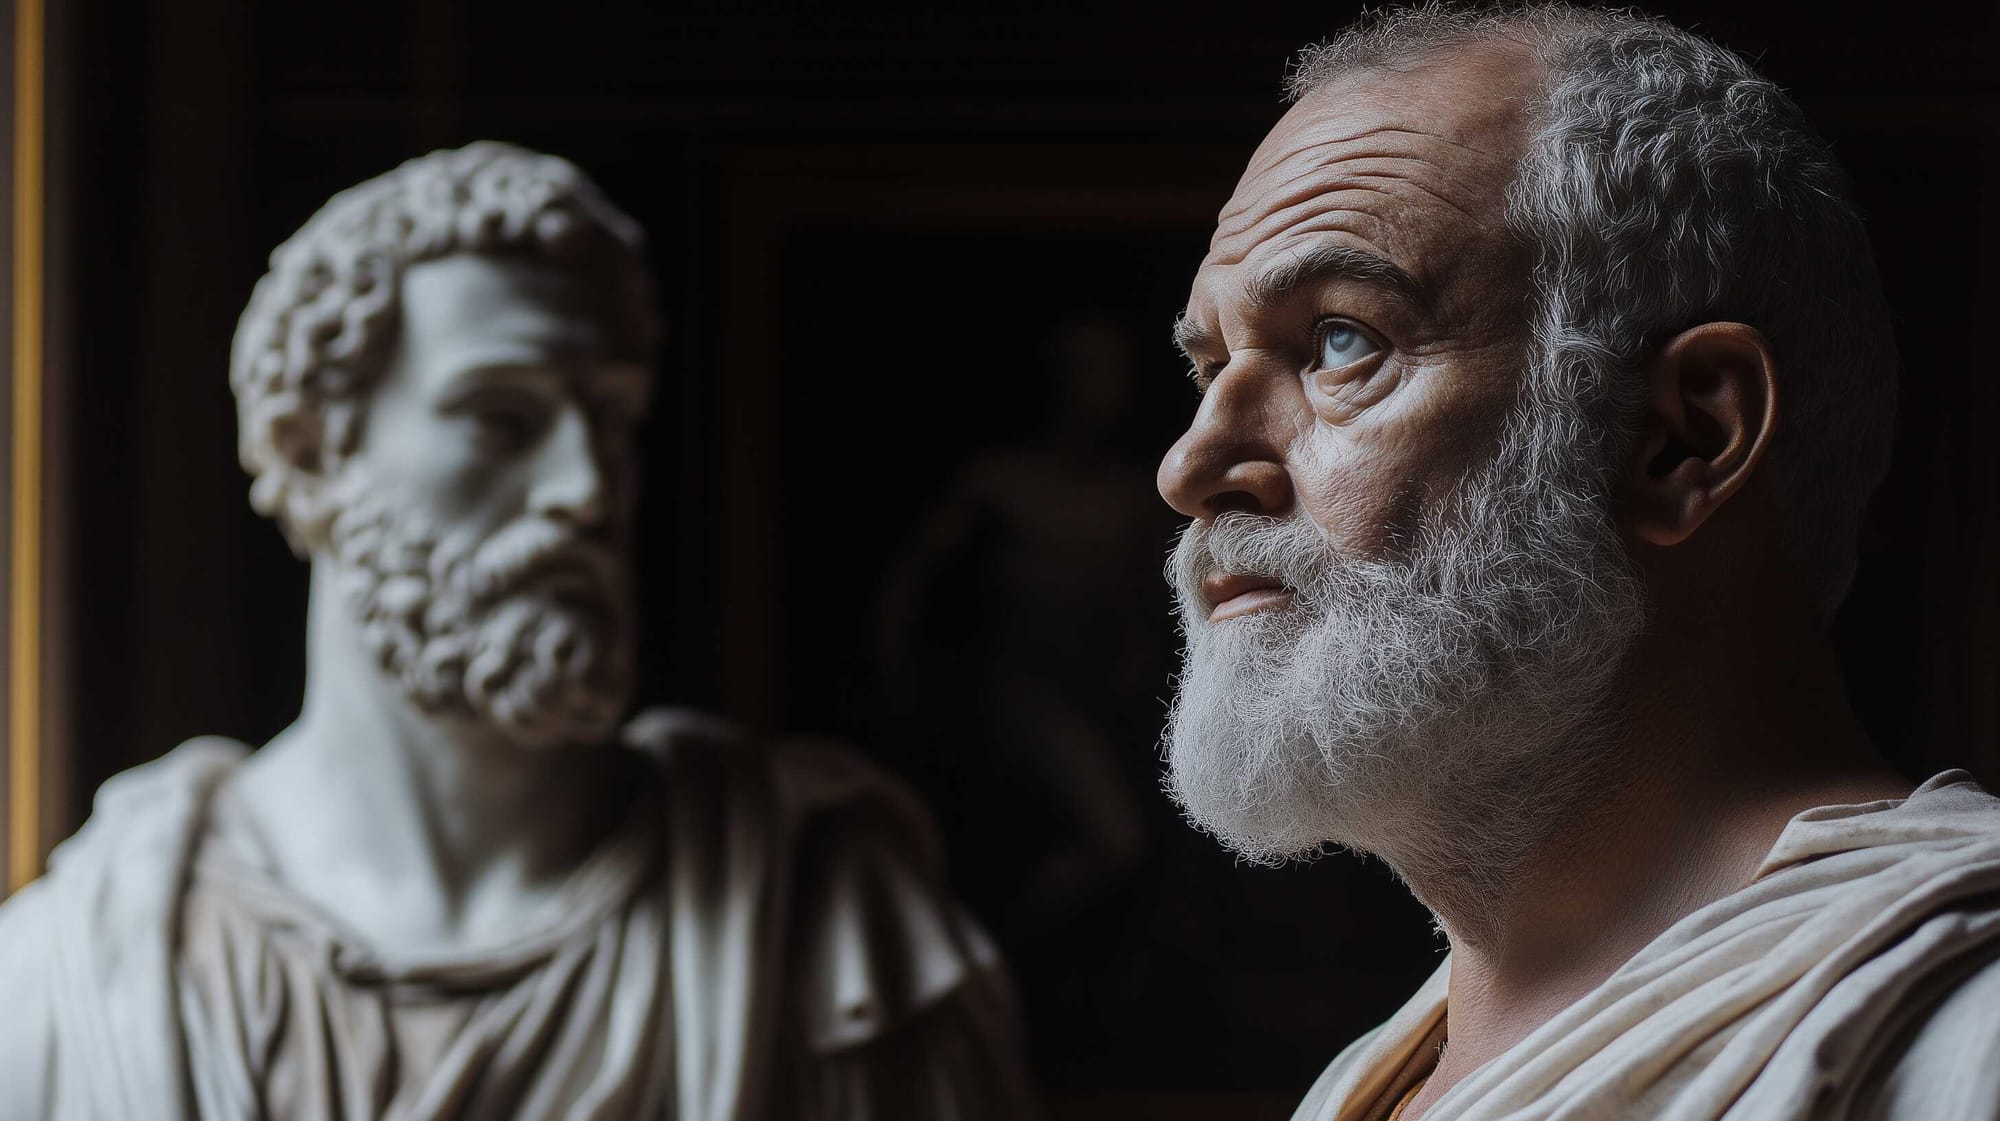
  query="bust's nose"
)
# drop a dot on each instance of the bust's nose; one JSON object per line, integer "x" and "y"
{"x": 569, "y": 482}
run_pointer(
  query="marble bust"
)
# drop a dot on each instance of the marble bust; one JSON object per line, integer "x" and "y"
{"x": 463, "y": 884}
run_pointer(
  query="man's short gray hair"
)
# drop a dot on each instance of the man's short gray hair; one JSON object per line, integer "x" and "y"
{"x": 321, "y": 325}
{"x": 1667, "y": 184}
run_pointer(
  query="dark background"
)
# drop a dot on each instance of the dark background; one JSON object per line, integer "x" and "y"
{"x": 881, "y": 230}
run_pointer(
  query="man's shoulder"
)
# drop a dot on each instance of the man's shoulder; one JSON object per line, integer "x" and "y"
{"x": 1946, "y": 1066}
{"x": 1886, "y": 868}
{"x": 1950, "y": 810}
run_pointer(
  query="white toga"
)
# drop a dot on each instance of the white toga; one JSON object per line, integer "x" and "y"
{"x": 1857, "y": 977}
{"x": 766, "y": 938}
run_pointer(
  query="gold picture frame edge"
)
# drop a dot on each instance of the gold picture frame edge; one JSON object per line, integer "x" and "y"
{"x": 24, "y": 668}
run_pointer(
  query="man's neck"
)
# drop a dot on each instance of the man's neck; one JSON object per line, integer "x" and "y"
{"x": 418, "y": 831}
{"x": 1712, "y": 756}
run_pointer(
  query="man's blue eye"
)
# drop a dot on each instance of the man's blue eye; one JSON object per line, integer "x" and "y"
{"x": 1342, "y": 345}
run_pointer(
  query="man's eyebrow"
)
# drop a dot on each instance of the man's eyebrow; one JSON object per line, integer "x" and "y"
{"x": 1324, "y": 261}
{"x": 1189, "y": 335}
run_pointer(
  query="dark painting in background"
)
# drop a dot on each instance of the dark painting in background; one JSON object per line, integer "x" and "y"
{"x": 919, "y": 263}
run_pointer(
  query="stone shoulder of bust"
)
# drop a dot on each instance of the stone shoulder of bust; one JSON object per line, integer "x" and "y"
{"x": 879, "y": 938}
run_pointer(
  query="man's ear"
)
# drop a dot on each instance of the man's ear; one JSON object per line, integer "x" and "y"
{"x": 1711, "y": 411}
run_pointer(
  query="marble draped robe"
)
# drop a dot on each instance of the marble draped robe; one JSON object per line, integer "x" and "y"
{"x": 1857, "y": 976}
{"x": 774, "y": 943}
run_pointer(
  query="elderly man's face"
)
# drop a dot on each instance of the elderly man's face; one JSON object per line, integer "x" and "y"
{"x": 1357, "y": 326}
{"x": 1398, "y": 591}
{"x": 484, "y": 521}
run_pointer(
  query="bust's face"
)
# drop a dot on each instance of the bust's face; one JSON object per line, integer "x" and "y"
{"x": 504, "y": 401}
{"x": 485, "y": 515}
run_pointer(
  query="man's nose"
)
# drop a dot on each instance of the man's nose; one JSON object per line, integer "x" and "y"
{"x": 569, "y": 481}
{"x": 1228, "y": 459}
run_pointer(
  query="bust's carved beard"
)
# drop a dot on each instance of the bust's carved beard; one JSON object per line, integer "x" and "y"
{"x": 527, "y": 630}
{"x": 1440, "y": 709}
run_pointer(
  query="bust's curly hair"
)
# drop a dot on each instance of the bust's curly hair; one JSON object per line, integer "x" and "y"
{"x": 321, "y": 325}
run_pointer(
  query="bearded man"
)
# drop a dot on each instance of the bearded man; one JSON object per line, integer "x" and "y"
{"x": 1545, "y": 376}
{"x": 454, "y": 887}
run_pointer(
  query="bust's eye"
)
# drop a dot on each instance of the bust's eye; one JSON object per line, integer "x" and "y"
{"x": 504, "y": 421}
{"x": 1342, "y": 344}
{"x": 505, "y": 429}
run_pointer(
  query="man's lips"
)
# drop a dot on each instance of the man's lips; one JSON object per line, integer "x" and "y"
{"x": 1230, "y": 594}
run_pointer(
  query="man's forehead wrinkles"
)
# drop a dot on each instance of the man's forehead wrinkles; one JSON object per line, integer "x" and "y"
{"x": 1329, "y": 156}
{"x": 1441, "y": 138}
{"x": 1326, "y": 149}
{"x": 1349, "y": 210}
{"x": 1433, "y": 192}
{"x": 1322, "y": 177}
{"x": 1317, "y": 188}
{"x": 1398, "y": 182}
{"x": 1388, "y": 143}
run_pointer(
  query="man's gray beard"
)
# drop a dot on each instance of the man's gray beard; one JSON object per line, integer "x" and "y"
{"x": 1436, "y": 709}
{"x": 527, "y": 630}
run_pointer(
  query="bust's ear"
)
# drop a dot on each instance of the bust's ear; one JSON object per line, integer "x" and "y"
{"x": 296, "y": 438}
{"x": 1711, "y": 411}
{"x": 313, "y": 439}
{"x": 294, "y": 465}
